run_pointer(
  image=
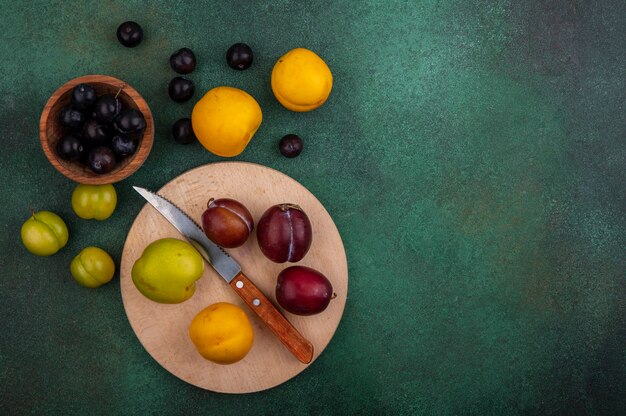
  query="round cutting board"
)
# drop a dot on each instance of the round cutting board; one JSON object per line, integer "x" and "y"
{"x": 163, "y": 329}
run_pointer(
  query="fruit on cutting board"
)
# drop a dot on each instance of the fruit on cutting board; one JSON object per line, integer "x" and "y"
{"x": 183, "y": 61}
{"x": 284, "y": 233}
{"x": 290, "y": 145}
{"x": 222, "y": 333}
{"x": 301, "y": 80}
{"x": 94, "y": 201}
{"x": 92, "y": 267}
{"x": 227, "y": 222}
{"x": 44, "y": 233}
{"x": 303, "y": 291}
{"x": 167, "y": 270}
{"x": 130, "y": 34}
{"x": 239, "y": 56}
{"x": 225, "y": 120}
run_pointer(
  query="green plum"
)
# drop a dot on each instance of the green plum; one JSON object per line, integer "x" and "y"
{"x": 92, "y": 267}
{"x": 167, "y": 271}
{"x": 94, "y": 201}
{"x": 44, "y": 233}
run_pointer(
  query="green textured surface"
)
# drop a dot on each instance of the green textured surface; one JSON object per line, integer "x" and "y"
{"x": 472, "y": 155}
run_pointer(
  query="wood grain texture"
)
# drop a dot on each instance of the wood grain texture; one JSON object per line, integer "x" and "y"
{"x": 299, "y": 346}
{"x": 163, "y": 329}
{"x": 50, "y": 130}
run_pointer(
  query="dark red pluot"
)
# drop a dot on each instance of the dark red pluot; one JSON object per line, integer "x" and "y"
{"x": 303, "y": 291}
{"x": 227, "y": 222}
{"x": 284, "y": 233}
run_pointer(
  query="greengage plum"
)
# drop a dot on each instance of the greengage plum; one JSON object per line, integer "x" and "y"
{"x": 92, "y": 267}
{"x": 94, "y": 201}
{"x": 44, "y": 233}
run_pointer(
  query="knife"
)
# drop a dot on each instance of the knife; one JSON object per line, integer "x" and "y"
{"x": 231, "y": 272}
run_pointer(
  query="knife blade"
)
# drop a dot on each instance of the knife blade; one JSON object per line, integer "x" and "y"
{"x": 231, "y": 272}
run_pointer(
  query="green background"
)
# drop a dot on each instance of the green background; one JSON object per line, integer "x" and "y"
{"x": 471, "y": 154}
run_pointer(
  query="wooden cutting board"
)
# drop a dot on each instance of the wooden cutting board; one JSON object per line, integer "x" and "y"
{"x": 163, "y": 329}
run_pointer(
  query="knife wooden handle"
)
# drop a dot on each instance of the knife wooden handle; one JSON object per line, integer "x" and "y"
{"x": 299, "y": 346}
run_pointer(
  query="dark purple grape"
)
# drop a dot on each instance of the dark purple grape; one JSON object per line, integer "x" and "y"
{"x": 70, "y": 147}
{"x": 130, "y": 122}
{"x": 83, "y": 96}
{"x": 129, "y": 34}
{"x": 106, "y": 108}
{"x": 71, "y": 118}
{"x": 181, "y": 89}
{"x": 96, "y": 133}
{"x": 123, "y": 145}
{"x": 183, "y": 61}
{"x": 101, "y": 160}
{"x": 239, "y": 56}
{"x": 290, "y": 145}
{"x": 182, "y": 131}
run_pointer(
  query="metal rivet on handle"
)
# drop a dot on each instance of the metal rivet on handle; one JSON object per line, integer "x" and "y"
{"x": 256, "y": 302}
{"x": 239, "y": 284}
